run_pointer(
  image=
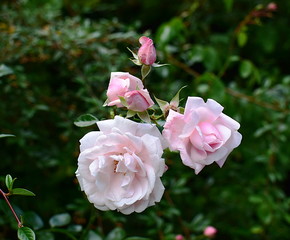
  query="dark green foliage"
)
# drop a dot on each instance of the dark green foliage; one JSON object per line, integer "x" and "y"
{"x": 55, "y": 63}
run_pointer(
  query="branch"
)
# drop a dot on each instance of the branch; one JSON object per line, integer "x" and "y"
{"x": 230, "y": 91}
{"x": 11, "y": 208}
{"x": 253, "y": 100}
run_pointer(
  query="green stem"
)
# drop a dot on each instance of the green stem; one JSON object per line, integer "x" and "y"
{"x": 11, "y": 208}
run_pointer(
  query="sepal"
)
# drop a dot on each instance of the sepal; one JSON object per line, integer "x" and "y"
{"x": 162, "y": 104}
{"x": 145, "y": 70}
{"x": 159, "y": 65}
{"x": 175, "y": 100}
{"x": 144, "y": 116}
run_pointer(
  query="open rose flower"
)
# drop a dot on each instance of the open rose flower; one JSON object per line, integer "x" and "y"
{"x": 147, "y": 52}
{"x": 203, "y": 134}
{"x": 120, "y": 166}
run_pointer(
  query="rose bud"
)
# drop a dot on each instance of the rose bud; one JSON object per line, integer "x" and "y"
{"x": 138, "y": 100}
{"x": 210, "y": 231}
{"x": 147, "y": 52}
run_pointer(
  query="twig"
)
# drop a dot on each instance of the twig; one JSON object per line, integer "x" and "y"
{"x": 253, "y": 100}
{"x": 11, "y": 208}
{"x": 230, "y": 91}
{"x": 183, "y": 66}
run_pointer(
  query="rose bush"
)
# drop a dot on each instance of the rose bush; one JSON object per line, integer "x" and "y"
{"x": 119, "y": 167}
{"x": 203, "y": 134}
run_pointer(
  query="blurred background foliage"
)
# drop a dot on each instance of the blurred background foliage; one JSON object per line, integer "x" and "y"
{"x": 55, "y": 62}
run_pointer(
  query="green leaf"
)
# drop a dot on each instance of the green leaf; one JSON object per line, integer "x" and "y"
{"x": 287, "y": 218}
{"x": 116, "y": 234}
{"x": 22, "y": 191}
{"x": 228, "y": 5}
{"x": 246, "y": 68}
{"x": 41, "y": 235}
{"x": 9, "y": 182}
{"x": 265, "y": 213}
{"x": 210, "y": 58}
{"x": 85, "y": 120}
{"x": 242, "y": 38}
{"x": 145, "y": 70}
{"x": 93, "y": 236}
{"x": 257, "y": 230}
{"x": 233, "y": 58}
{"x": 174, "y": 30}
{"x": 211, "y": 86}
{"x": 25, "y": 233}
{"x": 33, "y": 220}
{"x": 6, "y": 135}
{"x": 4, "y": 70}
{"x": 60, "y": 220}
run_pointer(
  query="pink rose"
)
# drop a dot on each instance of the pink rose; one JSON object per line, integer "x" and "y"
{"x": 120, "y": 84}
{"x": 209, "y": 231}
{"x": 203, "y": 134}
{"x": 138, "y": 100}
{"x": 120, "y": 166}
{"x": 147, "y": 52}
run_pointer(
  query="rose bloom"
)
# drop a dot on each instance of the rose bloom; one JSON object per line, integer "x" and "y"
{"x": 203, "y": 134}
{"x": 147, "y": 52}
{"x": 121, "y": 83}
{"x": 119, "y": 167}
{"x": 138, "y": 100}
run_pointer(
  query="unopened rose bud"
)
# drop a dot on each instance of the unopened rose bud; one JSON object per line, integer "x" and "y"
{"x": 138, "y": 100}
{"x": 272, "y": 6}
{"x": 147, "y": 52}
{"x": 179, "y": 237}
{"x": 210, "y": 231}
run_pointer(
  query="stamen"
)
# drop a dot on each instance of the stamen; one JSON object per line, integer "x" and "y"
{"x": 115, "y": 165}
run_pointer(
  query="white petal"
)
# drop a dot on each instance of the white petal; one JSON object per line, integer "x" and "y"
{"x": 224, "y": 132}
{"x": 214, "y": 107}
{"x": 89, "y": 140}
{"x": 193, "y": 103}
{"x": 228, "y": 121}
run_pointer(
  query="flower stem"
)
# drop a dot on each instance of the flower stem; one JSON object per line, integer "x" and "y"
{"x": 11, "y": 208}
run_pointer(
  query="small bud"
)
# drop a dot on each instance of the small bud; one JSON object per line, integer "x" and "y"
{"x": 147, "y": 52}
{"x": 210, "y": 231}
{"x": 179, "y": 237}
{"x": 272, "y": 6}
